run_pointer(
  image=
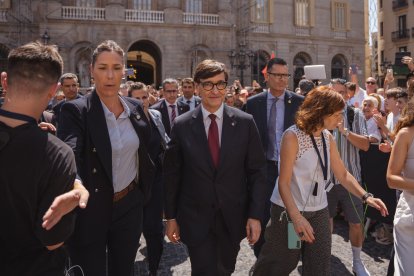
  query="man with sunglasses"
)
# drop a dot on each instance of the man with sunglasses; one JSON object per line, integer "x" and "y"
{"x": 273, "y": 111}
{"x": 360, "y": 94}
{"x": 215, "y": 177}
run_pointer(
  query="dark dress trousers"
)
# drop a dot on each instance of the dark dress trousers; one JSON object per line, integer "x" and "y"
{"x": 105, "y": 224}
{"x": 257, "y": 106}
{"x": 162, "y": 107}
{"x": 153, "y": 228}
{"x": 211, "y": 204}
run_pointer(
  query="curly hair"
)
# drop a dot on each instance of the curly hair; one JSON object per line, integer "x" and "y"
{"x": 406, "y": 119}
{"x": 320, "y": 103}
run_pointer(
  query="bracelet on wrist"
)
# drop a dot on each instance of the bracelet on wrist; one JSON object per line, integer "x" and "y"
{"x": 366, "y": 196}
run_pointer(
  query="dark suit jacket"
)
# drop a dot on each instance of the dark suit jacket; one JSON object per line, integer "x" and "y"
{"x": 195, "y": 190}
{"x": 83, "y": 127}
{"x": 162, "y": 107}
{"x": 56, "y": 110}
{"x": 197, "y": 100}
{"x": 257, "y": 106}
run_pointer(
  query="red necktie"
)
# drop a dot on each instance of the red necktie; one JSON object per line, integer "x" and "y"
{"x": 213, "y": 140}
{"x": 173, "y": 115}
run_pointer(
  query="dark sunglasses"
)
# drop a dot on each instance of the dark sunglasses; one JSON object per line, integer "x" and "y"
{"x": 371, "y": 82}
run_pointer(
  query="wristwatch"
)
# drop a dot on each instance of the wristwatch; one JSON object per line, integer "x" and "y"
{"x": 346, "y": 132}
{"x": 366, "y": 196}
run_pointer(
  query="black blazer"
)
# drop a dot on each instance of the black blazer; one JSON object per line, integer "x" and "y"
{"x": 83, "y": 127}
{"x": 56, "y": 110}
{"x": 161, "y": 106}
{"x": 195, "y": 190}
{"x": 257, "y": 106}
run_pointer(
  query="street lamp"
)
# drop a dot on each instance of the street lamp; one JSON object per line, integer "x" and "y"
{"x": 241, "y": 59}
{"x": 45, "y": 37}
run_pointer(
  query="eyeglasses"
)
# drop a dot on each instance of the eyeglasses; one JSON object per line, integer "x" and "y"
{"x": 371, "y": 82}
{"x": 279, "y": 76}
{"x": 171, "y": 91}
{"x": 208, "y": 85}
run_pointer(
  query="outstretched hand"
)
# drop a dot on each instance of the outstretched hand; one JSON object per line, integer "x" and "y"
{"x": 64, "y": 204}
{"x": 378, "y": 204}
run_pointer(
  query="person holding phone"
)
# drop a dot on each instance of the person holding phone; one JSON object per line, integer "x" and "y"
{"x": 299, "y": 198}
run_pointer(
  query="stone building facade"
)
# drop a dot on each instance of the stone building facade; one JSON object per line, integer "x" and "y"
{"x": 167, "y": 38}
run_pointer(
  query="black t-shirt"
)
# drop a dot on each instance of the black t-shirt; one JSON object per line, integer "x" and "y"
{"x": 35, "y": 167}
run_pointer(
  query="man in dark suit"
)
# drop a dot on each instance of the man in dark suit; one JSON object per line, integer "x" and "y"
{"x": 273, "y": 111}
{"x": 215, "y": 177}
{"x": 70, "y": 88}
{"x": 169, "y": 107}
{"x": 188, "y": 97}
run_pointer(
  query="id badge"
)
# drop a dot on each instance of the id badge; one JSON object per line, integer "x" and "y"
{"x": 294, "y": 241}
{"x": 329, "y": 185}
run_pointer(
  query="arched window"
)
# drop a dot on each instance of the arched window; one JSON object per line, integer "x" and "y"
{"x": 338, "y": 67}
{"x": 260, "y": 60}
{"x": 299, "y": 62}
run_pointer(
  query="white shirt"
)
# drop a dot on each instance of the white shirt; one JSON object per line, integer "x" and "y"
{"x": 306, "y": 172}
{"x": 392, "y": 121}
{"x": 219, "y": 120}
{"x": 124, "y": 145}
{"x": 280, "y": 119}
{"x": 372, "y": 129}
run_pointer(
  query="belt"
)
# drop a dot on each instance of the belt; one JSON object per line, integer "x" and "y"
{"x": 273, "y": 162}
{"x": 121, "y": 194}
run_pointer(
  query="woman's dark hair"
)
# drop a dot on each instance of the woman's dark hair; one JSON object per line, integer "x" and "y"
{"x": 319, "y": 103}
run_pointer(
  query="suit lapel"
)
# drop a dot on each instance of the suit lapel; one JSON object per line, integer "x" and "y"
{"x": 165, "y": 117}
{"x": 182, "y": 107}
{"x": 139, "y": 121}
{"x": 228, "y": 135}
{"x": 288, "y": 116}
{"x": 99, "y": 132}
{"x": 198, "y": 129}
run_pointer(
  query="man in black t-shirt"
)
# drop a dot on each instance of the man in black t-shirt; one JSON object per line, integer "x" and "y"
{"x": 36, "y": 169}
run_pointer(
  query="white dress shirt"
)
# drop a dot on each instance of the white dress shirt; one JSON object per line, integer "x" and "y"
{"x": 219, "y": 120}
{"x": 191, "y": 103}
{"x": 124, "y": 145}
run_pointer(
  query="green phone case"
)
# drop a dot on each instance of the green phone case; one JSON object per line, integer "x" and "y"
{"x": 294, "y": 241}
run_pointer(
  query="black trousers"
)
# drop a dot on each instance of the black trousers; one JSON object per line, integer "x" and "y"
{"x": 272, "y": 174}
{"x": 117, "y": 252}
{"x": 153, "y": 226}
{"x": 217, "y": 254}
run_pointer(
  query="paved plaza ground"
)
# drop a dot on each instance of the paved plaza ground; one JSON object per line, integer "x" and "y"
{"x": 175, "y": 259}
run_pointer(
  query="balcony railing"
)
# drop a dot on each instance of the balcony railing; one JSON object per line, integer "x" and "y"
{"x": 144, "y": 16}
{"x": 302, "y": 31}
{"x": 399, "y": 4}
{"x": 339, "y": 34}
{"x": 261, "y": 28}
{"x": 81, "y": 13}
{"x": 201, "y": 18}
{"x": 400, "y": 35}
{"x": 3, "y": 16}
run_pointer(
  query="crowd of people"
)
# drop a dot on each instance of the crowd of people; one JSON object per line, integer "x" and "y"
{"x": 204, "y": 162}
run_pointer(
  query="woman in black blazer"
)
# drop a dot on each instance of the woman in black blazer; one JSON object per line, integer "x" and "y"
{"x": 109, "y": 135}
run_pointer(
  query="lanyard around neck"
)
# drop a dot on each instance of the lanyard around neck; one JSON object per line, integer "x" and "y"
{"x": 325, "y": 155}
{"x": 18, "y": 116}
